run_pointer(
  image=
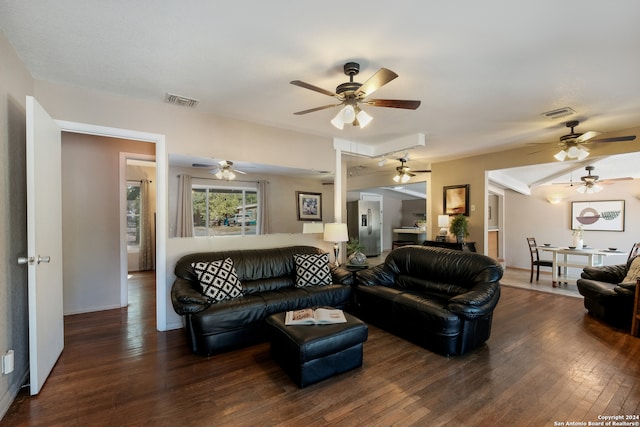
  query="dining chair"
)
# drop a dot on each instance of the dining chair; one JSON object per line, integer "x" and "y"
{"x": 535, "y": 259}
{"x": 635, "y": 250}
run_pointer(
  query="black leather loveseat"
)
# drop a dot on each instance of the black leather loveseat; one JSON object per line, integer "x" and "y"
{"x": 439, "y": 298}
{"x": 606, "y": 294}
{"x": 268, "y": 281}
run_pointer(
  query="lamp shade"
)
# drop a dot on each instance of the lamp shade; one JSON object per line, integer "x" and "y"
{"x": 443, "y": 221}
{"x": 336, "y": 232}
{"x": 312, "y": 227}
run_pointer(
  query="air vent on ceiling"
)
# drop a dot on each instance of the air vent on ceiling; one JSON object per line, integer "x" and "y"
{"x": 559, "y": 113}
{"x": 181, "y": 100}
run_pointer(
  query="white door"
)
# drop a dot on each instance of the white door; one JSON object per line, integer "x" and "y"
{"x": 44, "y": 234}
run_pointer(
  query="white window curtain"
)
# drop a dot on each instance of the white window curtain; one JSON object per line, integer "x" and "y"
{"x": 184, "y": 219}
{"x": 147, "y": 229}
{"x": 264, "y": 222}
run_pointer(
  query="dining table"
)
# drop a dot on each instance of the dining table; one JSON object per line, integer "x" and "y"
{"x": 565, "y": 257}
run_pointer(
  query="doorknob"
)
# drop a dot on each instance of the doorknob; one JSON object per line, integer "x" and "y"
{"x": 25, "y": 260}
{"x": 31, "y": 260}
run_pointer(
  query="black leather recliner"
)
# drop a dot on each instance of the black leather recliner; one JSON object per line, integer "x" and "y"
{"x": 439, "y": 298}
{"x": 605, "y": 296}
{"x": 267, "y": 277}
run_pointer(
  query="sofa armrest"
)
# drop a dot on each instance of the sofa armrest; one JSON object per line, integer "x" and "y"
{"x": 606, "y": 273}
{"x": 185, "y": 299}
{"x": 478, "y": 302}
{"x": 627, "y": 289}
{"x": 377, "y": 275}
{"x": 340, "y": 275}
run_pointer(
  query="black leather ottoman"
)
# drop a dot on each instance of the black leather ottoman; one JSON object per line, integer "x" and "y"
{"x": 311, "y": 353}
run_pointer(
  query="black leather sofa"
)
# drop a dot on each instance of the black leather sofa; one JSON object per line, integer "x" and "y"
{"x": 267, "y": 277}
{"x": 438, "y": 298}
{"x": 606, "y": 296}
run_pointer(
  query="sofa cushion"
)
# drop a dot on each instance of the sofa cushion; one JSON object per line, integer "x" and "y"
{"x": 634, "y": 271}
{"x": 218, "y": 279}
{"x": 312, "y": 269}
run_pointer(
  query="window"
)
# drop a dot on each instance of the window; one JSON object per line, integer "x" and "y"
{"x": 133, "y": 214}
{"x": 224, "y": 211}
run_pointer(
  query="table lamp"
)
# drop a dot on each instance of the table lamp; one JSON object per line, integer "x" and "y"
{"x": 336, "y": 232}
{"x": 443, "y": 223}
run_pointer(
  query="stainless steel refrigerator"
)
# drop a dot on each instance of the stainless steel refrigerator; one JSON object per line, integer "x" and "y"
{"x": 363, "y": 222}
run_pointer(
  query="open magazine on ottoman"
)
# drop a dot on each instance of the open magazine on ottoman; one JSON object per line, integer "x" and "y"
{"x": 309, "y": 316}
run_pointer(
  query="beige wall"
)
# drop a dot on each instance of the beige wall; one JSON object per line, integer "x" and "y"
{"x": 473, "y": 171}
{"x": 188, "y": 131}
{"x": 534, "y": 216}
{"x": 15, "y": 84}
{"x": 281, "y": 196}
{"x": 91, "y": 219}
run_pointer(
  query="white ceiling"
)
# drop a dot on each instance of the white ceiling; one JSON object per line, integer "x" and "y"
{"x": 484, "y": 71}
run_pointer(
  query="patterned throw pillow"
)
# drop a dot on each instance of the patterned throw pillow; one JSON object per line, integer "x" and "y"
{"x": 634, "y": 271}
{"x": 312, "y": 270}
{"x": 218, "y": 279}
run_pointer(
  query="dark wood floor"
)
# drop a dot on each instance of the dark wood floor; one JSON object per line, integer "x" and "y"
{"x": 546, "y": 362}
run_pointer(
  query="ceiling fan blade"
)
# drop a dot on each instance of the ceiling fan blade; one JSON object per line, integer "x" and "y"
{"x": 587, "y": 136}
{"x": 613, "y": 180}
{"x": 200, "y": 165}
{"x": 304, "y": 85}
{"x": 239, "y": 171}
{"x": 393, "y": 103}
{"x": 616, "y": 139}
{"x": 311, "y": 110}
{"x": 375, "y": 82}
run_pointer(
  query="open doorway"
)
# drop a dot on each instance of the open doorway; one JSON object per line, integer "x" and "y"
{"x": 95, "y": 268}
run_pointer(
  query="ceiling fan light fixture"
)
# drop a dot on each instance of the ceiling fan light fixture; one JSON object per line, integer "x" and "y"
{"x": 363, "y": 118}
{"x": 405, "y": 178}
{"x": 589, "y": 189}
{"x": 396, "y": 178}
{"x": 582, "y": 154}
{"x": 337, "y": 121}
{"x": 573, "y": 152}
{"x": 348, "y": 114}
{"x": 560, "y": 155}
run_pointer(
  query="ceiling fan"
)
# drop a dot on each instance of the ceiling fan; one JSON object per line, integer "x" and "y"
{"x": 572, "y": 145}
{"x": 353, "y": 94}
{"x": 404, "y": 172}
{"x": 592, "y": 183}
{"x": 225, "y": 170}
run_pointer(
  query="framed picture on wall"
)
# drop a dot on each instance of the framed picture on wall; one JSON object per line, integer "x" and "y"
{"x": 309, "y": 206}
{"x": 456, "y": 199}
{"x": 605, "y": 215}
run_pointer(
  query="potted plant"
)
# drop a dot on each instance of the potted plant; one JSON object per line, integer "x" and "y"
{"x": 459, "y": 227}
{"x": 354, "y": 252}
